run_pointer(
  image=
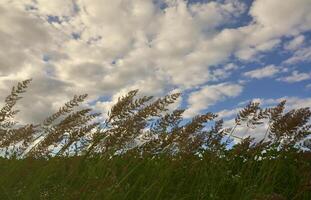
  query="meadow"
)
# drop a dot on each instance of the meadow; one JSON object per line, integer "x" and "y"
{"x": 143, "y": 150}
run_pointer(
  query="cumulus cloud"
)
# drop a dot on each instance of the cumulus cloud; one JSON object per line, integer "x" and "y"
{"x": 300, "y": 55}
{"x": 271, "y": 15}
{"x": 209, "y": 95}
{"x": 23, "y": 40}
{"x": 268, "y": 71}
{"x": 104, "y": 47}
{"x": 292, "y": 102}
{"x": 295, "y": 43}
{"x": 269, "y": 25}
{"x": 228, "y": 113}
{"x": 296, "y": 76}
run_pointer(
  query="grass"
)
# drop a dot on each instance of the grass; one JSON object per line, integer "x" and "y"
{"x": 78, "y": 157}
{"x": 131, "y": 177}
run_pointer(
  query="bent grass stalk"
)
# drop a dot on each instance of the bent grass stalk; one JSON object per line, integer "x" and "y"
{"x": 184, "y": 161}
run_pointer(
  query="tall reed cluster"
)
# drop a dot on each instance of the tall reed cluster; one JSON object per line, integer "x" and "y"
{"x": 144, "y": 126}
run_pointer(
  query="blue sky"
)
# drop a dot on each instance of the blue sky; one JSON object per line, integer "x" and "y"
{"x": 220, "y": 54}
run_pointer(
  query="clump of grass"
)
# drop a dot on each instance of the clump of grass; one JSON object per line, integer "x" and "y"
{"x": 143, "y": 150}
{"x": 133, "y": 177}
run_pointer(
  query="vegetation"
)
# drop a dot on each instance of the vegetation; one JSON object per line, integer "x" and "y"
{"x": 143, "y": 150}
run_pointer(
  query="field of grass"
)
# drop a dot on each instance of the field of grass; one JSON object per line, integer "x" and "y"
{"x": 145, "y": 151}
{"x": 130, "y": 177}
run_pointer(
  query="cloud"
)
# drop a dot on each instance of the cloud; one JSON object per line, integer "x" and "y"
{"x": 296, "y": 77}
{"x": 295, "y": 43}
{"x": 23, "y": 40}
{"x": 209, "y": 95}
{"x": 271, "y": 15}
{"x": 268, "y": 25}
{"x": 268, "y": 71}
{"x": 86, "y": 46}
{"x": 220, "y": 73}
{"x": 300, "y": 55}
{"x": 226, "y": 113}
{"x": 215, "y": 14}
{"x": 292, "y": 102}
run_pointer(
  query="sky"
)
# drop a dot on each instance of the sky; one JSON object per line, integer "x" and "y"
{"x": 220, "y": 54}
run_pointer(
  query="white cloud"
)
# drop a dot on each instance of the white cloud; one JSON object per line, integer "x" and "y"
{"x": 209, "y": 95}
{"x": 228, "y": 113}
{"x": 23, "y": 40}
{"x": 291, "y": 102}
{"x": 272, "y": 14}
{"x": 269, "y": 26}
{"x": 215, "y": 14}
{"x": 268, "y": 71}
{"x": 300, "y": 55}
{"x": 223, "y": 72}
{"x": 104, "y": 47}
{"x": 295, "y": 43}
{"x": 296, "y": 77}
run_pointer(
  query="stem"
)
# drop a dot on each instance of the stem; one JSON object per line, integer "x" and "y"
{"x": 267, "y": 129}
{"x": 231, "y": 132}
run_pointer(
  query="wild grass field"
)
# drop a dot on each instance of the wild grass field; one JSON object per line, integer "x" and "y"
{"x": 131, "y": 177}
{"x": 143, "y": 150}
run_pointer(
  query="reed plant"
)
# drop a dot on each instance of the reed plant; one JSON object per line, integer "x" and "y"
{"x": 144, "y": 150}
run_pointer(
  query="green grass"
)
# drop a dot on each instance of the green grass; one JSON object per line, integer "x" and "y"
{"x": 130, "y": 177}
{"x": 168, "y": 167}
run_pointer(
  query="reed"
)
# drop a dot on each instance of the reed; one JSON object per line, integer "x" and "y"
{"x": 143, "y": 150}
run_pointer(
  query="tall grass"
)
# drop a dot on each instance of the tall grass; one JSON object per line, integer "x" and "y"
{"x": 133, "y": 177}
{"x": 145, "y": 151}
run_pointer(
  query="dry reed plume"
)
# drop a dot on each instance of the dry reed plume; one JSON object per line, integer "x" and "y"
{"x": 143, "y": 126}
